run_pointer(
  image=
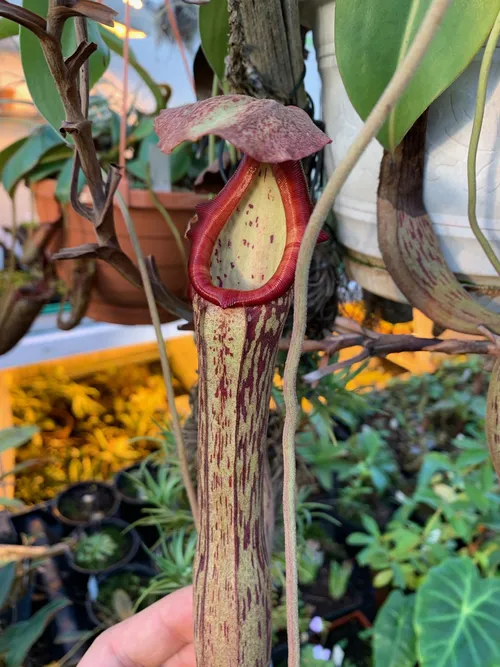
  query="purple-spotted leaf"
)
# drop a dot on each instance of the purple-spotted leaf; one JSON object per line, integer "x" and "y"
{"x": 410, "y": 247}
{"x": 262, "y": 129}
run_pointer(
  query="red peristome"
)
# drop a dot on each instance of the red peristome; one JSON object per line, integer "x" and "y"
{"x": 214, "y": 214}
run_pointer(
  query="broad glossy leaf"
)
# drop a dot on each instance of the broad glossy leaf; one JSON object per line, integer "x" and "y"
{"x": 457, "y": 617}
{"x": 371, "y": 39}
{"x": 36, "y": 71}
{"x": 214, "y": 33}
{"x": 16, "y": 640}
{"x": 7, "y": 576}
{"x": 410, "y": 247}
{"x": 394, "y": 636}
{"x": 262, "y": 129}
{"x": 8, "y": 28}
{"x": 9, "y": 151}
{"x": 180, "y": 162}
{"x": 59, "y": 152}
{"x": 28, "y": 156}
{"x": 15, "y": 436}
{"x": 43, "y": 171}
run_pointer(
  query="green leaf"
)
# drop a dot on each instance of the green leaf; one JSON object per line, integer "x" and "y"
{"x": 7, "y": 576}
{"x": 15, "y": 436}
{"x": 36, "y": 71}
{"x": 324, "y": 477}
{"x": 180, "y": 162}
{"x": 59, "y": 152}
{"x": 370, "y": 524}
{"x": 11, "y": 502}
{"x": 472, "y": 457}
{"x": 383, "y": 578}
{"x": 405, "y": 541}
{"x": 461, "y": 527}
{"x": 28, "y": 156}
{"x": 432, "y": 464}
{"x": 43, "y": 171}
{"x": 214, "y": 33}
{"x": 9, "y": 151}
{"x": 359, "y": 539}
{"x": 372, "y": 39}
{"x": 8, "y": 28}
{"x": 16, "y": 640}
{"x": 457, "y": 617}
{"x": 143, "y": 129}
{"x": 393, "y": 635}
{"x": 477, "y": 497}
{"x": 63, "y": 185}
{"x": 379, "y": 479}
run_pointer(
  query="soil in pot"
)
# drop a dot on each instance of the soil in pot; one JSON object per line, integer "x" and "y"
{"x": 119, "y": 594}
{"x": 86, "y": 502}
{"x": 103, "y": 547}
{"x": 128, "y": 489}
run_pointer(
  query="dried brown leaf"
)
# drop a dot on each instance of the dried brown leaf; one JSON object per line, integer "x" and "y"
{"x": 87, "y": 8}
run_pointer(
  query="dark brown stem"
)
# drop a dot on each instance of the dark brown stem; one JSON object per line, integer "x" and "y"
{"x": 380, "y": 345}
{"x": 266, "y": 57}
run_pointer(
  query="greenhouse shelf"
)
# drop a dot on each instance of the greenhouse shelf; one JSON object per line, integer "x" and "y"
{"x": 47, "y": 343}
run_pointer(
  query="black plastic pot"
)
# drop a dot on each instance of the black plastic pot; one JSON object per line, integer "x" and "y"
{"x": 7, "y": 532}
{"x": 136, "y": 568}
{"x": 359, "y": 595}
{"x": 131, "y": 545}
{"x": 344, "y": 629}
{"x": 131, "y": 506}
{"x": 85, "y": 502}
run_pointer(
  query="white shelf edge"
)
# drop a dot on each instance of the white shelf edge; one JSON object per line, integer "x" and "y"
{"x": 39, "y": 347}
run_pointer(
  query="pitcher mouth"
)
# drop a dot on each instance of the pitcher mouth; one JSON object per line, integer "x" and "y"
{"x": 214, "y": 215}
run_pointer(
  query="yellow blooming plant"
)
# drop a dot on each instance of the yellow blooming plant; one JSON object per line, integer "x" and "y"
{"x": 86, "y": 426}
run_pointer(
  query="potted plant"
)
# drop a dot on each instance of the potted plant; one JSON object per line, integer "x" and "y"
{"x": 352, "y": 77}
{"x": 153, "y": 500}
{"x": 28, "y": 280}
{"x": 114, "y": 597}
{"x": 242, "y": 289}
{"x": 103, "y": 547}
{"x": 44, "y": 161}
{"x": 85, "y": 503}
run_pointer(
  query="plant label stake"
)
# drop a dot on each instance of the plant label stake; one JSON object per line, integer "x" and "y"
{"x": 245, "y": 244}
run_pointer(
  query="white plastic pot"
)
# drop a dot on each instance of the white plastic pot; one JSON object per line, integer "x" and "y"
{"x": 445, "y": 187}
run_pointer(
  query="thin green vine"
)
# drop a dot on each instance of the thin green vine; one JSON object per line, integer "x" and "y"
{"x": 374, "y": 122}
{"x": 165, "y": 366}
{"x": 482, "y": 90}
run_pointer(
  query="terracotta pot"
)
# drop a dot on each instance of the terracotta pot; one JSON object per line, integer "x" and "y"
{"x": 114, "y": 299}
{"x": 47, "y": 206}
